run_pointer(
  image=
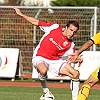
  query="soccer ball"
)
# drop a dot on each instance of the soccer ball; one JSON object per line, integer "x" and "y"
{"x": 47, "y": 96}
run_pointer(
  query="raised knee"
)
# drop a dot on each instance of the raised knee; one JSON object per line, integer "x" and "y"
{"x": 43, "y": 71}
{"x": 42, "y": 74}
{"x": 76, "y": 75}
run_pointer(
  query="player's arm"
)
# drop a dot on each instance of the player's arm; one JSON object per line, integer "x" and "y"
{"x": 85, "y": 46}
{"x": 74, "y": 56}
{"x": 94, "y": 40}
{"x": 29, "y": 19}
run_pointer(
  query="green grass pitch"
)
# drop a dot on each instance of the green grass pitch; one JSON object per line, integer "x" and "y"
{"x": 34, "y": 93}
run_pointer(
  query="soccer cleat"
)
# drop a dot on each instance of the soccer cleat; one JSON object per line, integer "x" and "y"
{"x": 48, "y": 95}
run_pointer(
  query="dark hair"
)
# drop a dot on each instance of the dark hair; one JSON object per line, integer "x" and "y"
{"x": 75, "y": 23}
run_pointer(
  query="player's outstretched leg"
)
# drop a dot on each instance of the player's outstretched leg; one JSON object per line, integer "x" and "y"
{"x": 47, "y": 93}
{"x": 74, "y": 85}
{"x": 91, "y": 81}
{"x": 84, "y": 92}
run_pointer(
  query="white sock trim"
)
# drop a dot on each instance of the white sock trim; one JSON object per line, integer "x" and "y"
{"x": 45, "y": 90}
{"x": 42, "y": 78}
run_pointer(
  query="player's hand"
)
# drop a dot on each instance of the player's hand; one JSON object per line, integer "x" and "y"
{"x": 72, "y": 57}
{"x": 79, "y": 59}
{"x": 18, "y": 11}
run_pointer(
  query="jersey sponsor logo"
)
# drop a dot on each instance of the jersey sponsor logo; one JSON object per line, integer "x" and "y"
{"x": 56, "y": 44}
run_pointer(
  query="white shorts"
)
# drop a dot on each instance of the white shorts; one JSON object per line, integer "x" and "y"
{"x": 54, "y": 66}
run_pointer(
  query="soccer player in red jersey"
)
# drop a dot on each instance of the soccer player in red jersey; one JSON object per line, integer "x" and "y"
{"x": 52, "y": 52}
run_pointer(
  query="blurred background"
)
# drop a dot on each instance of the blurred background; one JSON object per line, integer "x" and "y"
{"x": 16, "y": 32}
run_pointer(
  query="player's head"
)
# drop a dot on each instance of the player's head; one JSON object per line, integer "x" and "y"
{"x": 74, "y": 23}
{"x": 71, "y": 29}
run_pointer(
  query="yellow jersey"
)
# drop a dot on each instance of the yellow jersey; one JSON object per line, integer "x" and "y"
{"x": 96, "y": 38}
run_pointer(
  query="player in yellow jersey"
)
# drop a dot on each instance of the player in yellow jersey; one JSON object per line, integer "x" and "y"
{"x": 95, "y": 76}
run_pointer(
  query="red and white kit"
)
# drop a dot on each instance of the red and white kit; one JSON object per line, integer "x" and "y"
{"x": 53, "y": 47}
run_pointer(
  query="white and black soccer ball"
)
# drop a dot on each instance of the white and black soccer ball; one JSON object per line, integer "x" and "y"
{"x": 47, "y": 96}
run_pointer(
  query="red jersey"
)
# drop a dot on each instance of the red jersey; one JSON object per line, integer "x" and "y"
{"x": 53, "y": 44}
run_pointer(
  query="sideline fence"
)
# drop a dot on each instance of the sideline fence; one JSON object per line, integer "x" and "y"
{"x": 16, "y": 32}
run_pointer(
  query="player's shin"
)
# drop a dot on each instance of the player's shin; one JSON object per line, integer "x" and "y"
{"x": 84, "y": 92}
{"x": 43, "y": 80}
{"x": 74, "y": 85}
